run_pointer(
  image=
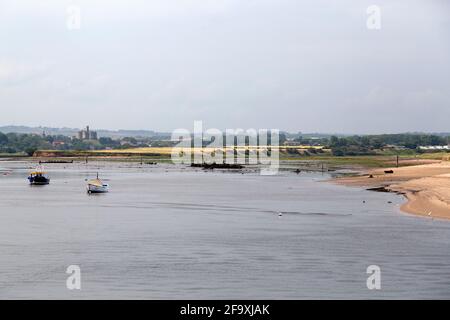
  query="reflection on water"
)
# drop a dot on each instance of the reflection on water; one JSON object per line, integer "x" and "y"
{"x": 172, "y": 232}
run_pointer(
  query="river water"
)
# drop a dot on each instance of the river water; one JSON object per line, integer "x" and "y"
{"x": 172, "y": 232}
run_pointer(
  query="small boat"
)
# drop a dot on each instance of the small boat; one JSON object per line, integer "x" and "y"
{"x": 38, "y": 177}
{"x": 97, "y": 186}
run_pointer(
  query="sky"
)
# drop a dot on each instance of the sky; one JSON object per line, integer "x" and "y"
{"x": 309, "y": 66}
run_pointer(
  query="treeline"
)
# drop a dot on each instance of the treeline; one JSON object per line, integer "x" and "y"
{"x": 370, "y": 144}
{"x": 340, "y": 146}
{"x": 21, "y": 143}
{"x": 29, "y": 143}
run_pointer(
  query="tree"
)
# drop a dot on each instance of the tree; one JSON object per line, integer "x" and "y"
{"x": 3, "y": 138}
{"x": 30, "y": 151}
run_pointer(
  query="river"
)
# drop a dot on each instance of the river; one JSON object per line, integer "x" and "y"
{"x": 173, "y": 232}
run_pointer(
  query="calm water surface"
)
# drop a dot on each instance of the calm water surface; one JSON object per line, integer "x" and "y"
{"x": 169, "y": 232}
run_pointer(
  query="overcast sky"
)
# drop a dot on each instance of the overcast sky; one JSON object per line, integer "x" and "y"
{"x": 310, "y": 66}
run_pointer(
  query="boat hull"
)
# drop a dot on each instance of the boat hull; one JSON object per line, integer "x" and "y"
{"x": 97, "y": 189}
{"x": 38, "y": 181}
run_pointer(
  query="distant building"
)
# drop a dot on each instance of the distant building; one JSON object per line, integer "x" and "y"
{"x": 58, "y": 143}
{"x": 434, "y": 147}
{"x": 87, "y": 134}
{"x": 393, "y": 147}
{"x": 291, "y": 142}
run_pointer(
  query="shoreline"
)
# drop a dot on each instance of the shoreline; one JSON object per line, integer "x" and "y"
{"x": 426, "y": 187}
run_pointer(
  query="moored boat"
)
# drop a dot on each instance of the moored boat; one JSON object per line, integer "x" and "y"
{"x": 38, "y": 178}
{"x": 97, "y": 186}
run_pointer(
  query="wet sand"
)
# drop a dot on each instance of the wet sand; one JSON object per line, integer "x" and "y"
{"x": 427, "y": 187}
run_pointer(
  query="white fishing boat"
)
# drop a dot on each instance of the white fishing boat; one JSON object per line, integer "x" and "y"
{"x": 97, "y": 186}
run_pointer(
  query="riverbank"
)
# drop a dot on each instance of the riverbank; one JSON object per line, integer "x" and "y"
{"x": 426, "y": 186}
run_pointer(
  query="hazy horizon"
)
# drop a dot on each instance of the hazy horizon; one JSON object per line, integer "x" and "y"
{"x": 223, "y": 129}
{"x": 309, "y": 66}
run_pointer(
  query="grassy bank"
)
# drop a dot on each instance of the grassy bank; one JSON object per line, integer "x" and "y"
{"x": 375, "y": 161}
{"x": 387, "y": 159}
{"x": 14, "y": 155}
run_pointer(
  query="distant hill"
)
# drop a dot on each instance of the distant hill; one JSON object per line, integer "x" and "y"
{"x": 73, "y": 132}
{"x": 150, "y": 133}
{"x": 39, "y": 130}
{"x": 131, "y": 133}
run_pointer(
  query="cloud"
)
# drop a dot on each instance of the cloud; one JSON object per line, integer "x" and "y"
{"x": 14, "y": 73}
{"x": 295, "y": 65}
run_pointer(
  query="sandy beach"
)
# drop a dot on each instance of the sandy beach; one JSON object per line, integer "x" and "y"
{"x": 427, "y": 187}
